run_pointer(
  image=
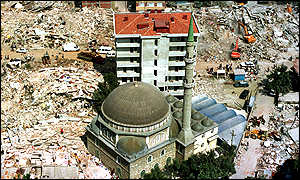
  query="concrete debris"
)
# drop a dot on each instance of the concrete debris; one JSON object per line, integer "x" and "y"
{"x": 44, "y": 108}
{"x": 53, "y": 24}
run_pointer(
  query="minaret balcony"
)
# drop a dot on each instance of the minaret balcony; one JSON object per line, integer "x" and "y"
{"x": 189, "y": 60}
{"x": 189, "y": 85}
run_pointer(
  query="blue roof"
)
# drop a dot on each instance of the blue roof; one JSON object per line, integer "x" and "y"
{"x": 204, "y": 104}
{"x": 227, "y": 120}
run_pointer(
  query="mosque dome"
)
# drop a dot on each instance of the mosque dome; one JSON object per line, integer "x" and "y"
{"x": 131, "y": 145}
{"x": 135, "y": 104}
{"x": 178, "y": 104}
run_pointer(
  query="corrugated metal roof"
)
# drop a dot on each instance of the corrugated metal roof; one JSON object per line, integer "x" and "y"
{"x": 228, "y": 121}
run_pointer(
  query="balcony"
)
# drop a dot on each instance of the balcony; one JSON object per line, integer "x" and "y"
{"x": 174, "y": 83}
{"x": 127, "y": 64}
{"x": 118, "y": 44}
{"x": 176, "y": 63}
{"x": 127, "y": 54}
{"x": 179, "y": 92}
{"x": 177, "y": 44}
{"x": 177, "y": 53}
{"x": 176, "y": 73}
{"x": 127, "y": 74}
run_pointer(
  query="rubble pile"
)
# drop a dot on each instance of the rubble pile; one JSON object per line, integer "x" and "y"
{"x": 37, "y": 105}
{"x": 50, "y": 25}
{"x": 276, "y": 32}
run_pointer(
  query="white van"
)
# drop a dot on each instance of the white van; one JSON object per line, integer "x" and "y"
{"x": 70, "y": 47}
{"x": 111, "y": 53}
{"x": 104, "y": 49}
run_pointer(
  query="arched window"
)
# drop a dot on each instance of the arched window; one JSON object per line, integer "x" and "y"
{"x": 150, "y": 158}
{"x": 118, "y": 173}
{"x": 163, "y": 152}
{"x": 156, "y": 166}
{"x": 169, "y": 160}
{"x": 143, "y": 173}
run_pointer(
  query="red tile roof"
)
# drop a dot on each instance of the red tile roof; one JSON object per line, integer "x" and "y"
{"x": 129, "y": 25}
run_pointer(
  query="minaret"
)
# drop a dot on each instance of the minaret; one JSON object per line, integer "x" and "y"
{"x": 186, "y": 136}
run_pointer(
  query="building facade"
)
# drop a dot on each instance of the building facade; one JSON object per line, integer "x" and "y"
{"x": 138, "y": 129}
{"x": 150, "y": 47}
{"x": 143, "y": 6}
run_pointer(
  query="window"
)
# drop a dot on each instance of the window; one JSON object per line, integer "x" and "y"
{"x": 156, "y": 42}
{"x": 156, "y": 166}
{"x": 202, "y": 144}
{"x": 124, "y": 69}
{"x": 163, "y": 152}
{"x": 159, "y": 5}
{"x": 161, "y": 88}
{"x": 143, "y": 173}
{"x": 150, "y": 4}
{"x": 141, "y": 4}
{"x": 124, "y": 79}
{"x": 169, "y": 160}
{"x": 118, "y": 159}
{"x": 149, "y": 159}
{"x": 155, "y": 62}
{"x": 155, "y": 52}
{"x": 155, "y": 72}
{"x": 131, "y": 59}
{"x": 97, "y": 153}
{"x": 118, "y": 173}
{"x": 203, "y": 135}
{"x": 212, "y": 131}
{"x": 155, "y": 82}
{"x": 97, "y": 142}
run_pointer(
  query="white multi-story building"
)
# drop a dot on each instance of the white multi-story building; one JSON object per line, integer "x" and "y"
{"x": 150, "y": 47}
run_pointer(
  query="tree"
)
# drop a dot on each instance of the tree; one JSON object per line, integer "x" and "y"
{"x": 200, "y": 166}
{"x": 288, "y": 170}
{"x": 104, "y": 89}
{"x": 294, "y": 76}
{"x": 279, "y": 81}
{"x": 155, "y": 173}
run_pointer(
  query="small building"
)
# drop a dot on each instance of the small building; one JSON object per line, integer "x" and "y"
{"x": 239, "y": 74}
{"x": 221, "y": 72}
{"x": 142, "y": 6}
{"x": 184, "y": 5}
{"x": 101, "y": 4}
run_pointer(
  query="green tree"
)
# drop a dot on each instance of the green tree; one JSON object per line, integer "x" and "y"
{"x": 156, "y": 173}
{"x": 279, "y": 81}
{"x": 294, "y": 76}
{"x": 288, "y": 170}
{"x": 200, "y": 166}
{"x": 104, "y": 89}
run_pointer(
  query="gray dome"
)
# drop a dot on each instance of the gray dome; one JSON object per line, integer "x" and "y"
{"x": 197, "y": 127}
{"x": 197, "y": 116}
{"x": 177, "y": 114}
{"x": 207, "y": 122}
{"x": 131, "y": 145}
{"x": 135, "y": 104}
{"x": 170, "y": 98}
{"x": 178, "y": 104}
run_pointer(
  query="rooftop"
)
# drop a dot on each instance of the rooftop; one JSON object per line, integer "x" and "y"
{"x": 152, "y": 24}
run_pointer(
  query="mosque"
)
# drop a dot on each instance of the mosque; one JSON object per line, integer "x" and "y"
{"x": 140, "y": 127}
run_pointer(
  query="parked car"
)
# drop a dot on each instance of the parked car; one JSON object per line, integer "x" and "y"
{"x": 241, "y": 84}
{"x": 21, "y": 50}
{"x": 70, "y": 47}
{"x": 271, "y": 93}
{"x": 244, "y": 94}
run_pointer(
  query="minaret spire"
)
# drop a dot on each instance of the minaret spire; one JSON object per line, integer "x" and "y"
{"x": 185, "y": 135}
